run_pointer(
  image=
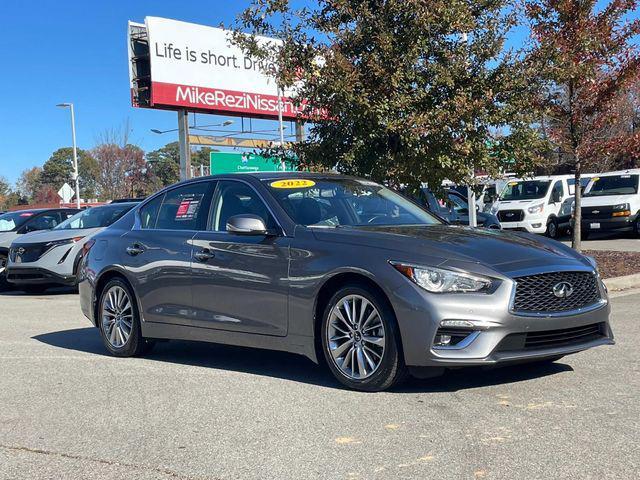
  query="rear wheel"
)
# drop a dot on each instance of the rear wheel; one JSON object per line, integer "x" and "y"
{"x": 119, "y": 321}
{"x": 360, "y": 340}
{"x": 636, "y": 228}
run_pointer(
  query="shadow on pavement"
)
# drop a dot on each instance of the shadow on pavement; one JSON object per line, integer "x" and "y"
{"x": 53, "y": 291}
{"x": 294, "y": 367}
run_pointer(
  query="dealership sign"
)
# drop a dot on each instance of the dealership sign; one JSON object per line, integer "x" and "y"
{"x": 198, "y": 68}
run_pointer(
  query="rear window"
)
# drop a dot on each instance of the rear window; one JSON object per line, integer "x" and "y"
{"x": 612, "y": 185}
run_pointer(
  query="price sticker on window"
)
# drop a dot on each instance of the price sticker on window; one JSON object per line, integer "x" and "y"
{"x": 293, "y": 183}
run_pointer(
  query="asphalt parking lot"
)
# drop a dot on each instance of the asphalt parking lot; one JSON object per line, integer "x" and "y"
{"x": 197, "y": 411}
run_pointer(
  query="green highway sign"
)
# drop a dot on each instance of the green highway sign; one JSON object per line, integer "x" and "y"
{"x": 232, "y": 162}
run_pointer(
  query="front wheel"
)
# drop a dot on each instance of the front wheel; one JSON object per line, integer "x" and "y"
{"x": 636, "y": 228}
{"x": 360, "y": 340}
{"x": 552, "y": 228}
{"x": 3, "y": 272}
{"x": 119, "y": 321}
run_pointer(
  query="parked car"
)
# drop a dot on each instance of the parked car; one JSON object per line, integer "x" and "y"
{"x": 455, "y": 209}
{"x": 338, "y": 269}
{"x": 611, "y": 202}
{"x": 14, "y": 225}
{"x": 42, "y": 259}
{"x": 533, "y": 205}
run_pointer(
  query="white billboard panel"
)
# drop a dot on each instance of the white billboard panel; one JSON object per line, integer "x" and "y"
{"x": 196, "y": 67}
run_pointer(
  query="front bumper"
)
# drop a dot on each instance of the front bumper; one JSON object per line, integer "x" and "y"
{"x": 619, "y": 224}
{"x": 37, "y": 276}
{"x": 535, "y": 225}
{"x": 420, "y": 315}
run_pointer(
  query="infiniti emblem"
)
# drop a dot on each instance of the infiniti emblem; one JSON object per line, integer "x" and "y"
{"x": 563, "y": 290}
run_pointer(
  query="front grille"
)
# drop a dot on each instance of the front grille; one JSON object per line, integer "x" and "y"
{"x": 565, "y": 337}
{"x": 535, "y": 293}
{"x": 28, "y": 252}
{"x": 597, "y": 213}
{"x": 511, "y": 215}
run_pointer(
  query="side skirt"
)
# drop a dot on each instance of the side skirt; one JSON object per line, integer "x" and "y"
{"x": 301, "y": 345}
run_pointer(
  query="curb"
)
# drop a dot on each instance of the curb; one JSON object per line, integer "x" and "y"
{"x": 626, "y": 282}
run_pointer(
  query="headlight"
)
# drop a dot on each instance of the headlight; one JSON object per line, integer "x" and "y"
{"x": 536, "y": 208}
{"x": 621, "y": 206}
{"x": 438, "y": 280}
{"x": 66, "y": 241}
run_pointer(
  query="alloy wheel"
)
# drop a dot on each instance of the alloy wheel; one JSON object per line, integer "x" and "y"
{"x": 117, "y": 316}
{"x": 3, "y": 264}
{"x": 355, "y": 337}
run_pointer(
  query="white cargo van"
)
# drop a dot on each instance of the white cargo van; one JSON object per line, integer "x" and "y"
{"x": 611, "y": 202}
{"x": 533, "y": 204}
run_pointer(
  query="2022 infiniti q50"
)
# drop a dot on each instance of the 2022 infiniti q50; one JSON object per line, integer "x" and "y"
{"x": 339, "y": 269}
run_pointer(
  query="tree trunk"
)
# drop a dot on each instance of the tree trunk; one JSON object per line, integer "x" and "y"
{"x": 577, "y": 216}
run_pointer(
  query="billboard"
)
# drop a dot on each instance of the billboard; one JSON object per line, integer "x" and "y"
{"x": 231, "y": 162}
{"x": 196, "y": 67}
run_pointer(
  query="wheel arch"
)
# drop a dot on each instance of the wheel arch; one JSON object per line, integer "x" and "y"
{"x": 102, "y": 280}
{"x": 330, "y": 287}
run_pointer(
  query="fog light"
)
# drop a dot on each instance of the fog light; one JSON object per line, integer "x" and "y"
{"x": 442, "y": 340}
{"x": 536, "y": 225}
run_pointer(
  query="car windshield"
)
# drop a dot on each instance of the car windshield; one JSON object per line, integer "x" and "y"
{"x": 525, "y": 190}
{"x": 612, "y": 185}
{"x": 13, "y": 220}
{"x": 345, "y": 202}
{"x": 95, "y": 217}
{"x": 458, "y": 203}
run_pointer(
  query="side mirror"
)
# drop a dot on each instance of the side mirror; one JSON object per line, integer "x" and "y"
{"x": 246, "y": 224}
{"x": 556, "y": 197}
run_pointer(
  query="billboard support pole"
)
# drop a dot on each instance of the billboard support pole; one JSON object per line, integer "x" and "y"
{"x": 299, "y": 131}
{"x": 280, "y": 125}
{"x": 183, "y": 141}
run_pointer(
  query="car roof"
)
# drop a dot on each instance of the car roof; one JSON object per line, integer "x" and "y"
{"x": 272, "y": 176}
{"x": 39, "y": 210}
{"x": 633, "y": 171}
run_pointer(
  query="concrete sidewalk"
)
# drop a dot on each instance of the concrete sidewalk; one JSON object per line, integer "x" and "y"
{"x": 609, "y": 243}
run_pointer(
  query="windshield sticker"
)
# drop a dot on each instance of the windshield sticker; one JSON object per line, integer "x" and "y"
{"x": 188, "y": 207}
{"x": 27, "y": 214}
{"x": 595, "y": 179}
{"x": 512, "y": 184}
{"x": 293, "y": 183}
{"x": 367, "y": 183}
{"x": 625, "y": 176}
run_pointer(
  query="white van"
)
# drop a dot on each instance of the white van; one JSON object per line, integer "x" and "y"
{"x": 533, "y": 204}
{"x": 611, "y": 202}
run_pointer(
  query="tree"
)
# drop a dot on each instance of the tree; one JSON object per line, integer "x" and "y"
{"x": 402, "y": 91}
{"x": 121, "y": 170}
{"x": 29, "y": 183}
{"x": 165, "y": 162}
{"x": 59, "y": 169}
{"x": 8, "y": 198}
{"x": 585, "y": 60}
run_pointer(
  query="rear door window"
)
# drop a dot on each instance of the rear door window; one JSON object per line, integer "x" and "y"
{"x": 184, "y": 208}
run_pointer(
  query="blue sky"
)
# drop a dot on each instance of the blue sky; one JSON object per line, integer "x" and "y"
{"x": 73, "y": 51}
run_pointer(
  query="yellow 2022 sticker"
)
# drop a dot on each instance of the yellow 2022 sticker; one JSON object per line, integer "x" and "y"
{"x": 293, "y": 183}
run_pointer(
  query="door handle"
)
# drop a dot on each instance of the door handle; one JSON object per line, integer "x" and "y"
{"x": 135, "y": 249}
{"x": 204, "y": 255}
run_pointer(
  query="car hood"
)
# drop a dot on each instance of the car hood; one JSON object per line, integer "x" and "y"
{"x": 6, "y": 238}
{"x": 606, "y": 200}
{"x": 505, "y": 252}
{"x": 56, "y": 235}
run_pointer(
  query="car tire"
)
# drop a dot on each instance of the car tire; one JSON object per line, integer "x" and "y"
{"x": 636, "y": 227}
{"x": 370, "y": 344}
{"x": 118, "y": 320}
{"x": 3, "y": 272}
{"x": 552, "y": 229}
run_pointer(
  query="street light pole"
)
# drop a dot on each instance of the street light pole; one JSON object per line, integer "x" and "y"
{"x": 76, "y": 177}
